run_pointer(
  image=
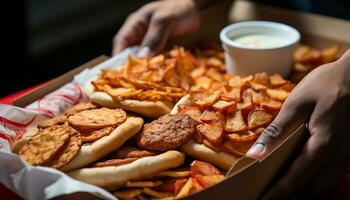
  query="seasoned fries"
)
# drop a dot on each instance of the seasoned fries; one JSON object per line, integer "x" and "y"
{"x": 165, "y": 77}
{"x": 174, "y": 173}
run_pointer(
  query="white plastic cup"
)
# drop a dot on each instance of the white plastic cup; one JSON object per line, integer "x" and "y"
{"x": 244, "y": 60}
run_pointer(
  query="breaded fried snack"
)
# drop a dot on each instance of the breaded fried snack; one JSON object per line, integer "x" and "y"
{"x": 92, "y": 152}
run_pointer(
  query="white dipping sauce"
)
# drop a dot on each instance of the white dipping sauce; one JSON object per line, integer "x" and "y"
{"x": 260, "y": 41}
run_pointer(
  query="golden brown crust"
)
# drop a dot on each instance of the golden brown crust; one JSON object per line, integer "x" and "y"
{"x": 131, "y": 152}
{"x": 92, "y": 152}
{"x": 95, "y": 135}
{"x": 68, "y": 152}
{"x": 58, "y": 120}
{"x": 81, "y": 107}
{"x": 45, "y": 145}
{"x": 89, "y": 120}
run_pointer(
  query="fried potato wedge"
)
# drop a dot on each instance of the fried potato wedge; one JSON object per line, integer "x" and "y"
{"x": 213, "y": 132}
{"x": 235, "y": 122}
{"x": 277, "y": 94}
{"x": 259, "y": 118}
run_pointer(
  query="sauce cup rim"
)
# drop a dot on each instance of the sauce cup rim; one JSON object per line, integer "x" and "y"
{"x": 258, "y": 24}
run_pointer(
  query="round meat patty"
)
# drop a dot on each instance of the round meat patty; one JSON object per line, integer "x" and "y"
{"x": 167, "y": 132}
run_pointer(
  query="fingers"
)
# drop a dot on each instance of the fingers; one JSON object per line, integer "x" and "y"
{"x": 294, "y": 112}
{"x": 157, "y": 34}
{"x": 133, "y": 29}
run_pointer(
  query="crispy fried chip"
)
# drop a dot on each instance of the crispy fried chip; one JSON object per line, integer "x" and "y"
{"x": 156, "y": 62}
{"x": 209, "y": 116}
{"x": 277, "y": 80}
{"x": 174, "y": 173}
{"x": 96, "y": 119}
{"x": 120, "y": 92}
{"x": 246, "y": 103}
{"x": 287, "y": 87}
{"x": 95, "y": 135}
{"x": 128, "y": 194}
{"x": 237, "y": 148}
{"x": 203, "y": 168}
{"x": 213, "y": 132}
{"x": 259, "y": 118}
{"x": 81, "y": 107}
{"x": 224, "y": 105}
{"x": 277, "y": 94}
{"x": 269, "y": 104}
{"x": 234, "y": 94}
{"x": 132, "y": 152}
{"x": 68, "y": 152}
{"x": 208, "y": 99}
{"x": 235, "y": 122}
{"x": 214, "y": 62}
{"x": 193, "y": 111}
{"x": 204, "y": 82}
{"x": 170, "y": 75}
{"x": 42, "y": 147}
{"x": 115, "y": 162}
{"x": 214, "y": 74}
{"x": 58, "y": 120}
{"x": 143, "y": 183}
{"x": 198, "y": 72}
{"x": 261, "y": 78}
{"x": 242, "y": 136}
{"x": 257, "y": 86}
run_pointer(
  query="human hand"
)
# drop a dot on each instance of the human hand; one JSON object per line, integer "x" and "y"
{"x": 322, "y": 99}
{"x": 154, "y": 23}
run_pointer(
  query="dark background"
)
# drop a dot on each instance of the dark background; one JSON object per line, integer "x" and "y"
{"x": 42, "y": 39}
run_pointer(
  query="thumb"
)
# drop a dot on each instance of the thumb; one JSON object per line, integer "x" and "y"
{"x": 157, "y": 34}
{"x": 294, "y": 112}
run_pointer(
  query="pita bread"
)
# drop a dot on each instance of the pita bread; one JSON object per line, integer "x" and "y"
{"x": 113, "y": 177}
{"x": 200, "y": 151}
{"x": 152, "y": 109}
{"x": 92, "y": 152}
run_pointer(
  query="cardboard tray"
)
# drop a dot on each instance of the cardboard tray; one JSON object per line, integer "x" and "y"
{"x": 248, "y": 178}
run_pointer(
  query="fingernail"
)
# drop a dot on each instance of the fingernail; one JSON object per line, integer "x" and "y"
{"x": 255, "y": 150}
{"x": 144, "y": 51}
